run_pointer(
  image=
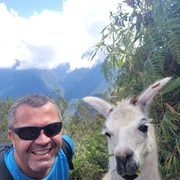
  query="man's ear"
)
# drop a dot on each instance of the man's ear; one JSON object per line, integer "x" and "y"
{"x": 11, "y": 135}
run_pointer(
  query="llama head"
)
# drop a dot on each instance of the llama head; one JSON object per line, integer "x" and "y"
{"x": 130, "y": 134}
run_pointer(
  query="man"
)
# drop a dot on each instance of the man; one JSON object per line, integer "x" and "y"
{"x": 35, "y": 124}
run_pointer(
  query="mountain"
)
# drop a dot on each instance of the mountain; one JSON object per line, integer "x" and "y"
{"x": 22, "y": 82}
{"x": 73, "y": 85}
{"x": 83, "y": 82}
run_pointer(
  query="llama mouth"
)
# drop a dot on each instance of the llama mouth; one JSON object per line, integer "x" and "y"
{"x": 127, "y": 177}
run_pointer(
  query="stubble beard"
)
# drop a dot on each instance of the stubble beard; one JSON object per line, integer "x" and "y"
{"x": 41, "y": 166}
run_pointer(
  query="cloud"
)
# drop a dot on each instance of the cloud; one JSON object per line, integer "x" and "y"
{"x": 50, "y": 38}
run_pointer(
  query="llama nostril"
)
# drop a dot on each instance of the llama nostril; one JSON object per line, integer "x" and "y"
{"x": 123, "y": 158}
{"x": 129, "y": 154}
{"x": 120, "y": 160}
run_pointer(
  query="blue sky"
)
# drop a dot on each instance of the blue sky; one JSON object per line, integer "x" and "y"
{"x": 45, "y": 33}
{"x": 26, "y": 8}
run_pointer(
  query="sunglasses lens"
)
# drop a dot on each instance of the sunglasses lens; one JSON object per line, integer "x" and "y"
{"x": 53, "y": 129}
{"x": 28, "y": 133}
{"x": 32, "y": 133}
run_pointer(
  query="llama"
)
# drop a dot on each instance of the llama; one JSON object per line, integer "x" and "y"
{"x": 131, "y": 136}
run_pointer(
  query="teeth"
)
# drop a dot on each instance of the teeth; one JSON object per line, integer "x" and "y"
{"x": 41, "y": 152}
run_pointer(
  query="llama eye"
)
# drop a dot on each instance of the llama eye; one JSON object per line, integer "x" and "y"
{"x": 143, "y": 128}
{"x": 107, "y": 134}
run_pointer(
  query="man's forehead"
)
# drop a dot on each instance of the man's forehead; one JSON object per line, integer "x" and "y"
{"x": 26, "y": 105}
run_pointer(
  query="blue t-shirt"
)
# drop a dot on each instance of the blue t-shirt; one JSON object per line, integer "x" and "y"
{"x": 59, "y": 171}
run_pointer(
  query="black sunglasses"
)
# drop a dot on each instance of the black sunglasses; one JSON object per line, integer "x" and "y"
{"x": 32, "y": 132}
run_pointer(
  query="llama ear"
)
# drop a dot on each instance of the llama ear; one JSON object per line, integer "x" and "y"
{"x": 99, "y": 104}
{"x": 146, "y": 97}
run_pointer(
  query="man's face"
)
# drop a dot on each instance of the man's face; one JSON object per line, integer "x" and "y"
{"x": 35, "y": 157}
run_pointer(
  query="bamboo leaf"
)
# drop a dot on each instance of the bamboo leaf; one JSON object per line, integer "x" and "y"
{"x": 113, "y": 27}
{"x": 120, "y": 63}
{"x": 109, "y": 155}
{"x": 120, "y": 50}
{"x": 169, "y": 123}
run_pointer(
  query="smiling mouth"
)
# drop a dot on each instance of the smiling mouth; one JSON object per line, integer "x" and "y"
{"x": 41, "y": 152}
{"x": 127, "y": 177}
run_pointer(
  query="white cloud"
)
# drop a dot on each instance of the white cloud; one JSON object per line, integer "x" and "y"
{"x": 50, "y": 38}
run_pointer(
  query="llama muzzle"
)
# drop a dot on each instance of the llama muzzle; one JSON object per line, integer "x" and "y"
{"x": 126, "y": 167}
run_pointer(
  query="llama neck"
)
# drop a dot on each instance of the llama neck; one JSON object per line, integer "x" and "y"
{"x": 149, "y": 169}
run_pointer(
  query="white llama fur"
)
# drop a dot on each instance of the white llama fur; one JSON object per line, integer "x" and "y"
{"x": 134, "y": 150}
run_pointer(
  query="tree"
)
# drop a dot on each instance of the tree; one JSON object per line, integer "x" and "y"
{"x": 4, "y": 108}
{"x": 61, "y": 102}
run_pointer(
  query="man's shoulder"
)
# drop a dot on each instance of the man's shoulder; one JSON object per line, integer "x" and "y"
{"x": 3, "y": 149}
{"x": 68, "y": 149}
{"x": 67, "y": 139}
{"x": 5, "y": 146}
{"x": 5, "y": 174}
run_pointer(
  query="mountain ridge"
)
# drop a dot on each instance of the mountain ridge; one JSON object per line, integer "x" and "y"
{"x": 73, "y": 85}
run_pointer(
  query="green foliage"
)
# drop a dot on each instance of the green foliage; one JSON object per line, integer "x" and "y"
{"x": 162, "y": 38}
{"x": 166, "y": 113}
{"x": 61, "y": 102}
{"x": 4, "y": 108}
{"x": 141, "y": 47}
{"x": 90, "y": 160}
